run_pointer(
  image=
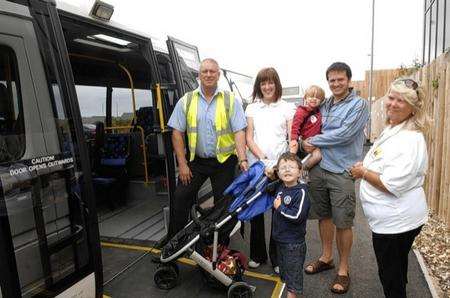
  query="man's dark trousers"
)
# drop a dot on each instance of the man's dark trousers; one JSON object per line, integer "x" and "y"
{"x": 220, "y": 174}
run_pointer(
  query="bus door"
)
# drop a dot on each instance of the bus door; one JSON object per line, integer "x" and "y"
{"x": 48, "y": 243}
{"x": 186, "y": 64}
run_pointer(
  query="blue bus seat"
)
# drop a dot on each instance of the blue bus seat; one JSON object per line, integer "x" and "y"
{"x": 110, "y": 177}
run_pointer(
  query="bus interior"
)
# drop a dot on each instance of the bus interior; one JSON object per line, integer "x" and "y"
{"x": 124, "y": 141}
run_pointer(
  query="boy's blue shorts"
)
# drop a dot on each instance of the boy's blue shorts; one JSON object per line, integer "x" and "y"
{"x": 291, "y": 257}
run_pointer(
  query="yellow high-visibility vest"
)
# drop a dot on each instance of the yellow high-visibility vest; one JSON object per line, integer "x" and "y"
{"x": 225, "y": 137}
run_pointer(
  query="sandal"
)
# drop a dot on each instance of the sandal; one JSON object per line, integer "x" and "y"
{"x": 343, "y": 281}
{"x": 319, "y": 266}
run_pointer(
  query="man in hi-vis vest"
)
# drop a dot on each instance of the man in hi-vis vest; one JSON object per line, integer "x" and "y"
{"x": 214, "y": 122}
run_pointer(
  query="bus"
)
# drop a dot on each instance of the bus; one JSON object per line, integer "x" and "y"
{"x": 71, "y": 179}
{"x": 293, "y": 94}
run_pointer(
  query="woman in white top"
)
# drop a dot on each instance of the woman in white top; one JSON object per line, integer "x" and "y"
{"x": 269, "y": 120}
{"x": 391, "y": 190}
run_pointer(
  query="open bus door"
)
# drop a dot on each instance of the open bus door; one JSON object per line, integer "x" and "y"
{"x": 183, "y": 54}
{"x": 49, "y": 242}
{"x": 186, "y": 64}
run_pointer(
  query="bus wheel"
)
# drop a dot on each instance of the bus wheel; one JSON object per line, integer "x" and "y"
{"x": 166, "y": 277}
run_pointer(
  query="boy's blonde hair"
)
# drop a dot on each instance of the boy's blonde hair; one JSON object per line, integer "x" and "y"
{"x": 315, "y": 91}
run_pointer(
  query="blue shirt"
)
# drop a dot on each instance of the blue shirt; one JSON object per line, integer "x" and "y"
{"x": 289, "y": 220}
{"x": 342, "y": 138}
{"x": 206, "y": 114}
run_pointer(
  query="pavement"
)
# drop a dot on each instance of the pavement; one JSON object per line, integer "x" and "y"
{"x": 137, "y": 280}
{"x": 363, "y": 267}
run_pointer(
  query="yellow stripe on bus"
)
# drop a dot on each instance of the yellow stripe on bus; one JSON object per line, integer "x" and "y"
{"x": 278, "y": 283}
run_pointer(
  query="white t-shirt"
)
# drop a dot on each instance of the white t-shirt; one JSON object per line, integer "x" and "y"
{"x": 400, "y": 157}
{"x": 270, "y": 128}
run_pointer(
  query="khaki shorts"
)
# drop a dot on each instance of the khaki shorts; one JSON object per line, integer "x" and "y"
{"x": 332, "y": 196}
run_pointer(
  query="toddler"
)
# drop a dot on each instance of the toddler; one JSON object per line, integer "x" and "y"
{"x": 307, "y": 123}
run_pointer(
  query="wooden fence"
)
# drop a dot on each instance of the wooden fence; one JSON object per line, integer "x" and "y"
{"x": 381, "y": 80}
{"x": 435, "y": 80}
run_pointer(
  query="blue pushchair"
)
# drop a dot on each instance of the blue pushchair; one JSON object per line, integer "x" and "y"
{"x": 248, "y": 196}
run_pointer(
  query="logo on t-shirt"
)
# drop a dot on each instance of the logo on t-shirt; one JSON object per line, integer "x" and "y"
{"x": 377, "y": 152}
{"x": 287, "y": 200}
{"x": 313, "y": 119}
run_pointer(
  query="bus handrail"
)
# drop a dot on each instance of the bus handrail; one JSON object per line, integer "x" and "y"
{"x": 133, "y": 98}
{"x": 159, "y": 106}
{"x": 66, "y": 241}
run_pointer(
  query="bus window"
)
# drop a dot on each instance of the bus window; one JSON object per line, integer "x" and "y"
{"x": 12, "y": 138}
{"x": 242, "y": 85}
{"x": 223, "y": 83}
{"x": 91, "y": 100}
{"x": 92, "y": 103}
{"x": 122, "y": 104}
{"x": 188, "y": 63}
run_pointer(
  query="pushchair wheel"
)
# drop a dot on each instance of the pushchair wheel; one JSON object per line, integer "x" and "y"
{"x": 240, "y": 289}
{"x": 174, "y": 266}
{"x": 166, "y": 276}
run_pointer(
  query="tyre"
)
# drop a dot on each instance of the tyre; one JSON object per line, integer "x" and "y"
{"x": 166, "y": 276}
{"x": 174, "y": 266}
{"x": 240, "y": 290}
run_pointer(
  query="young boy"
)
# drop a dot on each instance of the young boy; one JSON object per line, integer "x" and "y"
{"x": 307, "y": 123}
{"x": 289, "y": 223}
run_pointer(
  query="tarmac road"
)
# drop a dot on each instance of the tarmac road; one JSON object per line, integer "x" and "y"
{"x": 363, "y": 268}
{"x": 137, "y": 281}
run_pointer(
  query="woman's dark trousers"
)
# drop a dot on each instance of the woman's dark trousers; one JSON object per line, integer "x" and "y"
{"x": 391, "y": 251}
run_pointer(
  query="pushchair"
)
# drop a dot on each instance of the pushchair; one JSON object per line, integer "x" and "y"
{"x": 248, "y": 196}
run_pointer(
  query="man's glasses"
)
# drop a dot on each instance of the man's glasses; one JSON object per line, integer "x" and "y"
{"x": 409, "y": 83}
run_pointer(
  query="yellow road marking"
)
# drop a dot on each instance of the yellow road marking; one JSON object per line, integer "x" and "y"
{"x": 106, "y": 296}
{"x": 131, "y": 247}
{"x": 278, "y": 283}
{"x": 276, "y": 293}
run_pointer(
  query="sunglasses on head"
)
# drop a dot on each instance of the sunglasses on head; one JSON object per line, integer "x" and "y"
{"x": 409, "y": 83}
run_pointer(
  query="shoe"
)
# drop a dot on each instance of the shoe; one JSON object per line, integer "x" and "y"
{"x": 276, "y": 269}
{"x": 253, "y": 264}
{"x": 318, "y": 266}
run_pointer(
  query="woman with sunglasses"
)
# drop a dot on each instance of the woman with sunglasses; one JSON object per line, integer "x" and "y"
{"x": 391, "y": 191}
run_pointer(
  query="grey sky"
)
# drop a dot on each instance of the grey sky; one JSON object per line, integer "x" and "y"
{"x": 299, "y": 38}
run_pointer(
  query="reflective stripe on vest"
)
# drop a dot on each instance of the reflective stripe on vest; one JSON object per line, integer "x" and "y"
{"x": 225, "y": 137}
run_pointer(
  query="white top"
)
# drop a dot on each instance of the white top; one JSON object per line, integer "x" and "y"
{"x": 400, "y": 157}
{"x": 270, "y": 128}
